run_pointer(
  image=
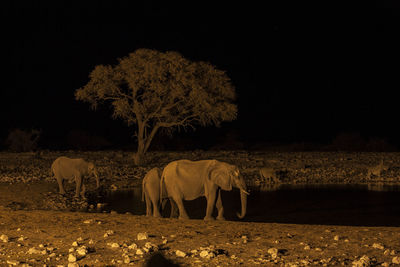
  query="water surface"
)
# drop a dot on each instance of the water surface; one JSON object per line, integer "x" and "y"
{"x": 360, "y": 205}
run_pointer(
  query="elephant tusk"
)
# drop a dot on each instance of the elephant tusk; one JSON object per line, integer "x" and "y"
{"x": 244, "y": 191}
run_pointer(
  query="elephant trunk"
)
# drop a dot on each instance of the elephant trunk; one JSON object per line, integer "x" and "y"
{"x": 243, "y": 199}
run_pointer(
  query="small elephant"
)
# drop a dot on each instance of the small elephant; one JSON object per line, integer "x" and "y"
{"x": 188, "y": 180}
{"x": 69, "y": 169}
{"x": 152, "y": 195}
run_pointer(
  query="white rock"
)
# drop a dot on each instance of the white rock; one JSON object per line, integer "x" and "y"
{"x": 273, "y": 252}
{"x": 109, "y": 232}
{"x": 362, "y": 262}
{"x": 12, "y": 262}
{"x": 33, "y": 251}
{"x": 204, "y": 253}
{"x": 71, "y": 250}
{"x": 91, "y": 242}
{"x": 210, "y": 255}
{"x": 396, "y": 260}
{"x": 71, "y": 258}
{"x": 180, "y": 254}
{"x": 336, "y": 238}
{"x": 378, "y": 246}
{"x": 114, "y": 245}
{"x": 4, "y": 238}
{"x": 82, "y": 251}
{"x": 41, "y": 246}
{"x": 127, "y": 260}
{"x": 75, "y": 244}
{"x": 132, "y": 246}
{"x": 139, "y": 252}
{"x": 142, "y": 236}
{"x": 88, "y": 221}
{"x": 22, "y": 238}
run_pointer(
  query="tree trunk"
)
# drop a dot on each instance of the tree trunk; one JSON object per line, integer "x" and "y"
{"x": 138, "y": 156}
{"x": 144, "y": 142}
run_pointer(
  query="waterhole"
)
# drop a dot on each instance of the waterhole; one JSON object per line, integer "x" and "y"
{"x": 358, "y": 205}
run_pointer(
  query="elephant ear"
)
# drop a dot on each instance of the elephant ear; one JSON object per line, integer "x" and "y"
{"x": 221, "y": 177}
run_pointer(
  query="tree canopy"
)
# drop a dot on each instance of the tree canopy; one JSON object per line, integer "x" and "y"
{"x": 154, "y": 90}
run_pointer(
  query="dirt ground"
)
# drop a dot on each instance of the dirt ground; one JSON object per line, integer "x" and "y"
{"x": 32, "y": 233}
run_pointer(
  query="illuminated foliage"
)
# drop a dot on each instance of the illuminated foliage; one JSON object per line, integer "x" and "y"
{"x": 155, "y": 90}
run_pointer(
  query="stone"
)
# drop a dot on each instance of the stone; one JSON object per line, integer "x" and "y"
{"x": 115, "y": 245}
{"x": 180, "y": 254}
{"x": 273, "y": 252}
{"x": 378, "y": 246}
{"x": 4, "y": 238}
{"x": 133, "y": 246}
{"x": 71, "y": 258}
{"x": 204, "y": 254}
{"x": 362, "y": 262}
{"x": 34, "y": 251}
{"x": 82, "y": 251}
{"x": 127, "y": 260}
{"x": 396, "y": 260}
{"x": 13, "y": 262}
{"x": 142, "y": 236}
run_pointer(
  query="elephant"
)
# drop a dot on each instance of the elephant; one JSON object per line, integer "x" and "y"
{"x": 152, "y": 195}
{"x": 65, "y": 168}
{"x": 188, "y": 180}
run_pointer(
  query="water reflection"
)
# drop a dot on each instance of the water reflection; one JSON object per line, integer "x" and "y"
{"x": 367, "y": 205}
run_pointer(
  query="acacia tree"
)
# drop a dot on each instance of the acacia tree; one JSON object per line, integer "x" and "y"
{"x": 155, "y": 90}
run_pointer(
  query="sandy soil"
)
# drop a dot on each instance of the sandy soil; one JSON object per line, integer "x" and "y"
{"x": 33, "y": 234}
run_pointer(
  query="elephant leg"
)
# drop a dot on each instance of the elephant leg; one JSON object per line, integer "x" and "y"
{"x": 78, "y": 181}
{"x": 83, "y": 191}
{"x": 156, "y": 208}
{"x": 182, "y": 211}
{"x": 60, "y": 185}
{"x": 219, "y": 206}
{"x": 211, "y": 196}
{"x": 148, "y": 204}
{"x": 174, "y": 209}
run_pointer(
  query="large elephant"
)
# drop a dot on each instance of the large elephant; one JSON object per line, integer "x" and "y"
{"x": 151, "y": 193}
{"x": 188, "y": 180}
{"x": 69, "y": 169}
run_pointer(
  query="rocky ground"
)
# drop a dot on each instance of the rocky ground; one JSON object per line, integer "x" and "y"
{"x": 37, "y": 229}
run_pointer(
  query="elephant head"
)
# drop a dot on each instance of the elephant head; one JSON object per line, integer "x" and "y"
{"x": 225, "y": 176}
{"x": 93, "y": 171}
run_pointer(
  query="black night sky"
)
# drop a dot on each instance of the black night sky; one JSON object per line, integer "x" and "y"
{"x": 303, "y": 73}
